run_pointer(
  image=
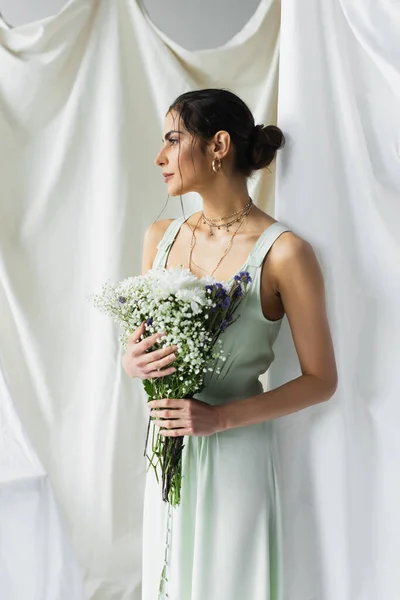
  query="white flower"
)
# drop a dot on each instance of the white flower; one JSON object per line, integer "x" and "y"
{"x": 175, "y": 301}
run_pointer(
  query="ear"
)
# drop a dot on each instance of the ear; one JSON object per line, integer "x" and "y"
{"x": 220, "y": 144}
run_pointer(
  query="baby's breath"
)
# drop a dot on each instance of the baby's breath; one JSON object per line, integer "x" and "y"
{"x": 193, "y": 312}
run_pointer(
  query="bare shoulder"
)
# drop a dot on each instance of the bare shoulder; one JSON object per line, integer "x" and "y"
{"x": 152, "y": 237}
{"x": 300, "y": 283}
{"x": 289, "y": 254}
{"x": 155, "y": 231}
{"x": 289, "y": 245}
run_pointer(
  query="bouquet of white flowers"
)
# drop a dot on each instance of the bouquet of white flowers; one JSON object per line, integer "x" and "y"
{"x": 193, "y": 313}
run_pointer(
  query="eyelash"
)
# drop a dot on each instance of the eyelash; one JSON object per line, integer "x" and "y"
{"x": 172, "y": 140}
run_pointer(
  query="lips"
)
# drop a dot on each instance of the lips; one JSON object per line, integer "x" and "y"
{"x": 167, "y": 176}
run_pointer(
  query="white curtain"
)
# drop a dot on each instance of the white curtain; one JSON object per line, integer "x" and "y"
{"x": 338, "y": 186}
{"x": 82, "y": 98}
{"x": 36, "y": 560}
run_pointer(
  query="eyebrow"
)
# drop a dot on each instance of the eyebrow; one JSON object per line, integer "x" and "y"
{"x": 168, "y": 135}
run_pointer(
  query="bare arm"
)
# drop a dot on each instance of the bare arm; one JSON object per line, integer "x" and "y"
{"x": 300, "y": 283}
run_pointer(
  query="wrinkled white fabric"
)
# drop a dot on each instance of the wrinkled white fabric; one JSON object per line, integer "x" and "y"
{"x": 82, "y": 98}
{"x": 36, "y": 560}
{"x": 338, "y": 186}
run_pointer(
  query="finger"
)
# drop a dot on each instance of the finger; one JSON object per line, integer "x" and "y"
{"x": 148, "y": 342}
{"x": 175, "y": 432}
{"x": 167, "y": 403}
{"x": 162, "y": 373}
{"x": 135, "y": 335}
{"x": 165, "y": 414}
{"x": 157, "y": 355}
{"x": 170, "y": 423}
{"x": 163, "y": 362}
{"x": 139, "y": 344}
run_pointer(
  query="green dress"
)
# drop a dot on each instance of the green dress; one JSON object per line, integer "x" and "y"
{"x": 225, "y": 537}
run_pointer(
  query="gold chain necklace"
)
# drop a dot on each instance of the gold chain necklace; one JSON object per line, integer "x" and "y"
{"x": 227, "y": 248}
{"x": 215, "y": 222}
{"x": 231, "y": 215}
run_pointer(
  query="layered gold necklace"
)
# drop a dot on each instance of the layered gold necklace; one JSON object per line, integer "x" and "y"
{"x": 218, "y": 222}
{"x": 239, "y": 215}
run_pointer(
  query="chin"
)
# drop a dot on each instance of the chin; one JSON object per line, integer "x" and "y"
{"x": 177, "y": 191}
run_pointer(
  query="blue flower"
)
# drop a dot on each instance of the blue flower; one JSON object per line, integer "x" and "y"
{"x": 224, "y": 325}
{"x": 221, "y": 291}
{"x": 149, "y": 322}
{"x": 209, "y": 288}
{"x": 237, "y": 292}
{"x": 226, "y": 302}
{"x": 122, "y": 300}
{"x": 245, "y": 276}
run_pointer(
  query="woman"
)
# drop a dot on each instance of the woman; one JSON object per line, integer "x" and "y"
{"x": 225, "y": 538}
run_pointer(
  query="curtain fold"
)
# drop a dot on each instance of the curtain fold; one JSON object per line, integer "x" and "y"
{"x": 82, "y": 99}
{"x": 338, "y": 186}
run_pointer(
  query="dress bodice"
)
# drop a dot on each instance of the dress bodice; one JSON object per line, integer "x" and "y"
{"x": 247, "y": 343}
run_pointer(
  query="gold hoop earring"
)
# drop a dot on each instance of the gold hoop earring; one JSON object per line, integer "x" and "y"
{"x": 216, "y": 168}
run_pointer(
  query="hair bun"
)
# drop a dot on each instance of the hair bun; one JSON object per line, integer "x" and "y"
{"x": 263, "y": 145}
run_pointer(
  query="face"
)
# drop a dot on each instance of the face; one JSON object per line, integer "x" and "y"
{"x": 184, "y": 166}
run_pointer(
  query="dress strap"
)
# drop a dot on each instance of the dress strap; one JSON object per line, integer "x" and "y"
{"x": 264, "y": 243}
{"x": 166, "y": 241}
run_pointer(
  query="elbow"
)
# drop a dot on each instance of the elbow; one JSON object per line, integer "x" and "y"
{"x": 331, "y": 386}
{"x": 327, "y": 386}
{"x": 330, "y": 379}
{"x": 334, "y": 380}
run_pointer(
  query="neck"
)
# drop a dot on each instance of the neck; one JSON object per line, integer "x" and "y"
{"x": 224, "y": 197}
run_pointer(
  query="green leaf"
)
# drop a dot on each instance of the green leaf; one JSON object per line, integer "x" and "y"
{"x": 148, "y": 387}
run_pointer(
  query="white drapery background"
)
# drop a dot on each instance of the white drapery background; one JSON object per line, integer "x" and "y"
{"x": 82, "y": 98}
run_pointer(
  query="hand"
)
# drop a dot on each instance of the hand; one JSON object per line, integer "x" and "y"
{"x": 137, "y": 362}
{"x": 185, "y": 417}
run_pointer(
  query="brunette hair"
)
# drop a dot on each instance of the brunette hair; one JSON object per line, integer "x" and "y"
{"x": 204, "y": 112}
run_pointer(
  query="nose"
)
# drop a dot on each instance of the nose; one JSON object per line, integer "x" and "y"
{"x": 160, "y": 159}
